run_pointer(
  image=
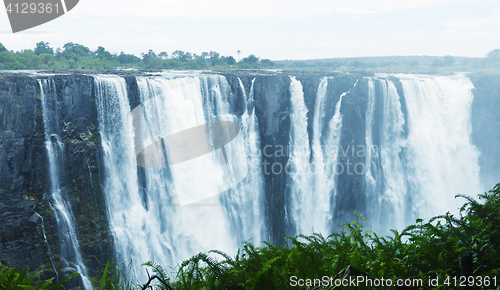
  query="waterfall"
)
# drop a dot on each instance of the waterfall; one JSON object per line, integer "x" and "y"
{"x": 68, "y": 239}
{"x": 125, "y": 211}
{"x": 443, "y": 160}
{"x": 302, "y": 201}
{"x": 388, "y": 204}
{"x": 418, "y": 156}
{"x": 321, "y": 187}
{"x": 329, "y": 152}
{"x": 245, "y": 204}
{"x": 175, "y": 105}
{"x": 147, "y": 217}
{"x": 312, "y": 183}
{"x": 314, "y": 179}
{"x": 423, "y": 157}
{"x": 372, "y": 188}
{"x": 46, "y": 242}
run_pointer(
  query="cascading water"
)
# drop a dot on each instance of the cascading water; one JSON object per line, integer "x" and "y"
{"x": 46, "y": 242}
{"x": 175, "y": 105}
{"x": 418, "y": 155}
{"x": 372, "y": 188}
{"x": 146, "y": 218}
{"x": 314, "y": 179}
{"x": 323, "y": 181}
{"x": 443, "y": 160}
{"x": 125, "y": 210}
{"x": 412, "y": 143}
{"x": 71, "y": 259}
{"x": 245, "y": 203}
{"x": 302, "y": 201}
{"x": 388, "y": 204}
{"x": 417, "y": 173}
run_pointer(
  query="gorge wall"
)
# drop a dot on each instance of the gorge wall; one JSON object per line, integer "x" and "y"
{"x": 409, "y": 134}
{"x": 26, "y": 215}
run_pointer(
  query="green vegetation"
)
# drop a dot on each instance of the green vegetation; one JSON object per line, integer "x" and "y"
{"x": 77, "y": 56}
{"x": 426, "y": 251}
{"x": 420, "y": 251}
{"x": 12, "y": 279}
{"x": 399, "y": 64}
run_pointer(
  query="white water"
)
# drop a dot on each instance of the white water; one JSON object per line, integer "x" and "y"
{"x": 331, "y": 149}
{"x": 372, "y": 160}
{"x": 321, "y": 177}
{"x": 391, "y": 201}
{"x": 125, "y": 210}
{"x": 443, "y": 160}
{"x": 302, "y": 201}
{"x": 146, "y": 218}
{"x": 246, "y": 203}
{"x": 46, "y": 242}
{"x": 408, "y": 175}
{"x": 314, "y": 179}
{"x": 68, "y": 239}
{"x": 176, "y": 105}
{"x": 411, "y": 174}
{"x": 416, "y": 174}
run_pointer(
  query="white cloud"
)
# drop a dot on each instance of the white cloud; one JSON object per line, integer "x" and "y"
{"x": 412, "y": 34}
{"x": 473, "y": 29}
{"x": 489, "y": 21}
{"x": 250, "y": 9}
{"x": 378, "y": 22}
{"x": 456, "y": 34}
{"x": 274, "y": 29}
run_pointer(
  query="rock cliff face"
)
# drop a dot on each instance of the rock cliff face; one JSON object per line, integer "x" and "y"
{"x": 25, "y": 211}
{"x": 272, "y": 107}
{"x": 21, "y": 172}
{"x": 353, "y": 134}
{"x": 485, "y": 119}
{"x": 272, "y": 104}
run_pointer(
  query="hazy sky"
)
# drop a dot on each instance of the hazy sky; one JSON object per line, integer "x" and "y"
{"x": 275, "y": 29}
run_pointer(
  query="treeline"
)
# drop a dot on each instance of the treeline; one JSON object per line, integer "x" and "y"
{"x": 406, "y": 64}
{"x": 77, "y": 56}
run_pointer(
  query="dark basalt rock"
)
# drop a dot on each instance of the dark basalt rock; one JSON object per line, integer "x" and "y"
{"x": 20, "y": 241}
{"x": 349, "y": 182}
{"x": 24, "y": 180}
{"x": 272, "y": 104}
{"x": 485, "y": 121}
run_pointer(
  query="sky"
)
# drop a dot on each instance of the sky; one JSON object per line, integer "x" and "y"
{"x": 274, "y": 29}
